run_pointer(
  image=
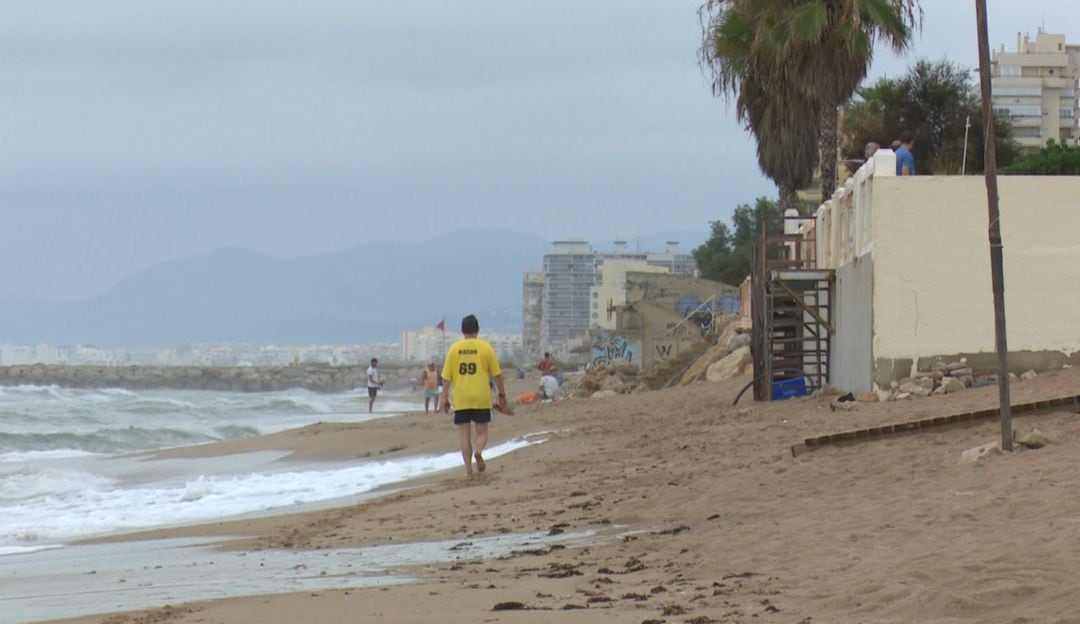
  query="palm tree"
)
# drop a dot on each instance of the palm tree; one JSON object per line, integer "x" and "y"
{"x": 742, "y": 55}
{"x": 809, "y": 56}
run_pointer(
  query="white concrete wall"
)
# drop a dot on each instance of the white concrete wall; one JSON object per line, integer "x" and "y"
{"x": 932, "y": 290}
{"x": 917, "y": 249}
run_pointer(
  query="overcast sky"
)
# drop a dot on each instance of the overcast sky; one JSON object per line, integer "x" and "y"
{"x": 134, "y": 132}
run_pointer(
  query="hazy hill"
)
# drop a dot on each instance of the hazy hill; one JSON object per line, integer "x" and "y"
{"x": 367, "y": 293}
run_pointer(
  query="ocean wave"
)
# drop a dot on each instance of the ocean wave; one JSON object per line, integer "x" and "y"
{"x": 103, "y": 441}
{"x": 234, "y": 432}
{"x": 156, "y": 406}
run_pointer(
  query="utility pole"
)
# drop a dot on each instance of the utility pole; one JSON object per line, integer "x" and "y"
{"x": 997, "y": 270}
{"x": 963, "y": 162}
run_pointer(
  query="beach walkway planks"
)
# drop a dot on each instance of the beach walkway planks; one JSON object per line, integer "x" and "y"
{"x": 916, "y": 426}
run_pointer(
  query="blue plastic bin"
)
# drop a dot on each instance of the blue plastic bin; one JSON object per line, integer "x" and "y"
{"x": 788, "y": 388}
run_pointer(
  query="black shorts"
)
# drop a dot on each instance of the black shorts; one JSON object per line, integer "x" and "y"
{"x": 462, "y": 417}
{"x": 372, "y": 391}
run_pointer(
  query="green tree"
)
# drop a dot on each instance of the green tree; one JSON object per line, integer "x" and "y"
{"x": 1054, "y": 159}
{"x": 790, "y": 64}
{"x": 725, "y": 257}
{"x": 933, "y": 101}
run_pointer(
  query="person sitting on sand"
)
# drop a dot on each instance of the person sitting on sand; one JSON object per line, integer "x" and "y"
{"x": 549, "y": 388}
{"x": 470, "y": 365}
{"x": 429, "y": 379}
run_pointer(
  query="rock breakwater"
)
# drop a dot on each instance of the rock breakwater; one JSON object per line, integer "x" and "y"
{"x": 314, "y": 377}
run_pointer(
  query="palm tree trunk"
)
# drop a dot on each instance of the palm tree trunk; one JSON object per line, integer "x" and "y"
{"x": 788, "y": 198}
{"x": 827, "y": 144}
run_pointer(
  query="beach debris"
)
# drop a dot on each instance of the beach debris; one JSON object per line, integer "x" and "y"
{"x": 560, "y": 570}
{"x": 673, "y": 531}
{"x": 1029, "y": 375}
{"x": 973, "y": 455}
{"x": 511, "y": 605}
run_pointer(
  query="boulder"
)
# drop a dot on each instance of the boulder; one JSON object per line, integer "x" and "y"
{"x": 961, "y": 372}
{"x": 977, "y": 453}
{"x": 951, "y": 384}
{"x": 603, "y": 394}
{"x": 697, "y": 370}
{"x": 868, "y": 397}
{"x": 733, "y": 365}
{"x": 915, "y": 389}
{"x": 1031, "y": 374}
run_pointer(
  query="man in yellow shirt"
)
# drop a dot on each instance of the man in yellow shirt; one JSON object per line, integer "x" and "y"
{"x": 470, "y": 365}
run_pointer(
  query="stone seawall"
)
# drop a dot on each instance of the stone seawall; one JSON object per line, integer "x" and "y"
{"x": 314, "y": 377}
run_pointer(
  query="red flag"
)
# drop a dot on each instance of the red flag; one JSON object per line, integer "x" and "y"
{"x": 441, "y": 326}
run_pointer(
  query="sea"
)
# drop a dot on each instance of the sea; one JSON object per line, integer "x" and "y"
{"x": 78, "y": 464}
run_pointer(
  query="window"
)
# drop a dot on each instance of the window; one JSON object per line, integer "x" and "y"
{"x": 1017, "y": 91}
{"x": 1009, "y": 71}
{"x": 1066, "y": 113}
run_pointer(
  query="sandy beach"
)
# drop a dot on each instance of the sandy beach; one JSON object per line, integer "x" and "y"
{"x": 703, "y": 515}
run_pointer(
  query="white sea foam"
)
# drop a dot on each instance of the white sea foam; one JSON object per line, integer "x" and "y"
{"x": 45, "y": 507}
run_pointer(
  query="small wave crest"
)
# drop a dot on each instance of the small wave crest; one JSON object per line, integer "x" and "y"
{"x": 105, "y": 441}
{"x": 234, "y": 432}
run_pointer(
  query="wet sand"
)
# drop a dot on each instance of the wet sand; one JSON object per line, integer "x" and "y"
{"x": 708, "y": 517}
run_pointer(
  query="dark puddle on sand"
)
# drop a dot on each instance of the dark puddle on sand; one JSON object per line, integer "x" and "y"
{"x": 102, "y": 578}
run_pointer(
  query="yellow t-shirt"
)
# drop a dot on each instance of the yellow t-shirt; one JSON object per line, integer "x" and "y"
{"x": 470, "y": 362}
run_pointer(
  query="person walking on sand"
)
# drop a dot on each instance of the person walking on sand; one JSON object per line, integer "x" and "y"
{"x": 374, "y": 382}
{"x": 429, "y": 379}
{"x": 470, "y": 366}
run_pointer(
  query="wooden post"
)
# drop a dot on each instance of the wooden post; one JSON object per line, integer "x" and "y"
{"x": 997, "y": 271}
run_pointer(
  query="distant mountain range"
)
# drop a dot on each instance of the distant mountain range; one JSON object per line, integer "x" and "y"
{"x": 365, "y": 294}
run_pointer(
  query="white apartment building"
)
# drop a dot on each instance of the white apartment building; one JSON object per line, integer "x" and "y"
{"x": 1036, "y": 87}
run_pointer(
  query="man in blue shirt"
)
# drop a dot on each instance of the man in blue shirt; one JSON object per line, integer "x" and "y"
{"x": 905, "y": 160}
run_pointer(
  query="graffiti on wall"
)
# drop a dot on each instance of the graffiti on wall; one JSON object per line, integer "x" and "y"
{"x": 611, "y": 348}
{"x": 665, "y": 348}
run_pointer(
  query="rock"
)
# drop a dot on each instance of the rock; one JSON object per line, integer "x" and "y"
{"x": 868, "y": 397}
{"x": 961, "y": 372}
{"x": 697, "y": 370}
{"x": 973, "y": 455}
{"x": 985, "y": 380}
{"x": 613, "y": 383}
{"x": 951, "y": 384}
{"x": 603, "y": 394}
{"x": 733, "y": 365}
{"x": 899, "y": 396}
{"x": 738, "y": 341}
{"x": 1032, "y": 439}
{"x": 626, "y": 369}
{"x": 1029, "y": 375}
{"x": 915, "y": 389}
{"x": 926, "y": 382}
{"x": 951, "y": 366}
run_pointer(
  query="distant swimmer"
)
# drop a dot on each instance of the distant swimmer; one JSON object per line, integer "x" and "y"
{"x": 470, "y": 366}
{"x": 374, "y": 382}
